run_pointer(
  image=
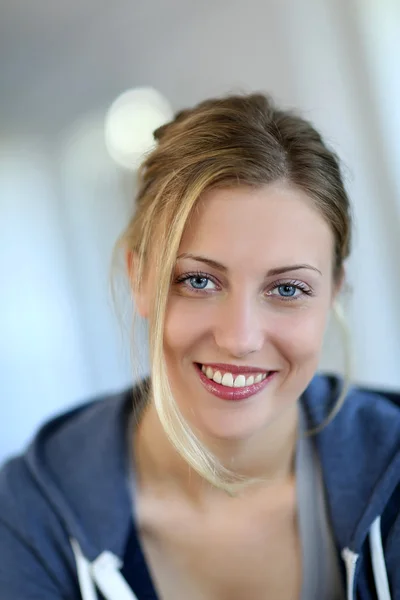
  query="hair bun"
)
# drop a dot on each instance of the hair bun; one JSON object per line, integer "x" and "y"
{"x": 161, "y": 132}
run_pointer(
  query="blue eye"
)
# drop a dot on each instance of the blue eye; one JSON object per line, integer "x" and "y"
{"x": 198, "y": 283}
{"x": 287, "y": 290}
{"x": 290, "y": 290}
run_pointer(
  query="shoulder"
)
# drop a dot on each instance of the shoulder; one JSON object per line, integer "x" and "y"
{"x": 62, "y": 447}
{"x": 369, "y": 411}
{"x": 45, "y": 491}
{"x": 364, "y": 436}
{"x": 31, "y": 536}
{"x": 359, "y": 451}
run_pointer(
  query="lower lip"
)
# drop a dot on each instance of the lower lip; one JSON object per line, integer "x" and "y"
{"x": 231, "y": 393}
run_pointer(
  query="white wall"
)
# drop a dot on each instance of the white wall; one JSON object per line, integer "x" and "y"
{"x": 62, "y": 208}
{"x": 42, "y": 365}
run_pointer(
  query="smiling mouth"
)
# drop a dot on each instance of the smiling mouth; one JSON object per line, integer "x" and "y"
{"x": 235, "y": 380}
{"x": 233, "y": 386}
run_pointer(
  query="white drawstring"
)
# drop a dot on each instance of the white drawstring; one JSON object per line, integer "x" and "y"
{"x": 88, "y": 590}
{"x": 350, "y": 560}
{"x": 109, "y": 580}
{"x": 104, "y": 572}
{"x": 378, "y": 561}
{"x": 378, "y": 564}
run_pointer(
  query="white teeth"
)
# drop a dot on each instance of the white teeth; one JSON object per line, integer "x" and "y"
{"x": 217, "y": 377}
{"x": 209, "y": 372}
{"x": 227, "y": 380}
{"x": 240, "y": 381}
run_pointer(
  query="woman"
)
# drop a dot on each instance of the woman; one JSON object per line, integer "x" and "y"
{"x": 234, "y": 472}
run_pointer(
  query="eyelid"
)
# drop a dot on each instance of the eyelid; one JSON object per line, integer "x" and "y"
{"x": 195, "y": 273}
{"x": 294, "y": 282}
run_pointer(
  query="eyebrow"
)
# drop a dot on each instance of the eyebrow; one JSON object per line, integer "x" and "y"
{"x": 271, "y": 273}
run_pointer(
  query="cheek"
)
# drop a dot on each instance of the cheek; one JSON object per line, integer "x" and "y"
{"x": 186, "y": 323}
{"x": 299, "y": 336}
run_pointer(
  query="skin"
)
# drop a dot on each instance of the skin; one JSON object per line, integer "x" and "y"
{"x": 242, "y": 317}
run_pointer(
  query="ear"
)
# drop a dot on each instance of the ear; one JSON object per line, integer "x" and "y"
{"x": 139, "y": 289}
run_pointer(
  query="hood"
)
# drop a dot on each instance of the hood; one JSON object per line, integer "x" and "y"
{"x": 360, "y": 456}
{"x": 80, "y": 462}
{"x": 359, "y": 452}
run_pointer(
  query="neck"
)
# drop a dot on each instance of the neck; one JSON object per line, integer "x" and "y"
{"x": 268, "y": 455}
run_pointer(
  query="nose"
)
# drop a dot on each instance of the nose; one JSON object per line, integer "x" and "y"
{"x": 238, "y": 329}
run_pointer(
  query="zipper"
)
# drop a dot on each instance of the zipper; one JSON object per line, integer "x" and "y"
{"x": 350, "y": 560}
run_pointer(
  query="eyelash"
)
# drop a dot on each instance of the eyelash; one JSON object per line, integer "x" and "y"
{"x": 299, "y": 285}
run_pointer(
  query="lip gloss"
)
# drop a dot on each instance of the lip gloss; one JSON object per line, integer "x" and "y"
{"x": 232, "y": 393}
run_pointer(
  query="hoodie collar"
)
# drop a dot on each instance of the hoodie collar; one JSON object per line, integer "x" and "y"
{"x": 81, "y": 463}
{"x": 359, "y": 452}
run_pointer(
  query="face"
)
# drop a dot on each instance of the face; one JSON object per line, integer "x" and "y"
{"x": 248, "y": 308}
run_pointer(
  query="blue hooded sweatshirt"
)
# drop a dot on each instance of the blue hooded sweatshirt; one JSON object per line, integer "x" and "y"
{"x": 66, "y": 522}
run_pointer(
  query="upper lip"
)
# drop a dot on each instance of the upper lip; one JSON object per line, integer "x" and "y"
{"x": 235, "y": 369}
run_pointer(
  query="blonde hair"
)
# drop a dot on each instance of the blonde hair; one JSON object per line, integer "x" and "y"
{"x": 237, "y": 140}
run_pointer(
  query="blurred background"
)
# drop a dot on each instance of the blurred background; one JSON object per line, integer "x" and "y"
{"x": 67, "y": 137}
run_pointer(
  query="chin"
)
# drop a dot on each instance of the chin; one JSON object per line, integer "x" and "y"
{"x": 236, "y": 423}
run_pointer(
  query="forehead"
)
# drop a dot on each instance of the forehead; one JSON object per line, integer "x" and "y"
{"x": 268, "y": 225}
